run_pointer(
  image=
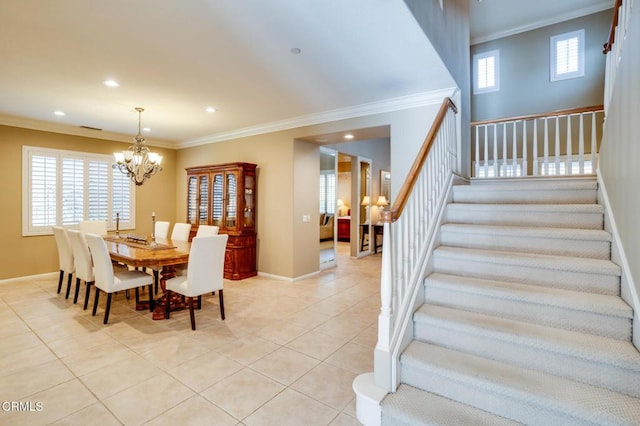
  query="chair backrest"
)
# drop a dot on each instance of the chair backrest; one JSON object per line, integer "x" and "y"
{"x": 98, "y": 227}
{"x": 162, "y": 229}
{"x": 65, "y": 252}
{"x": 205, "y": 269}
{"x": 102, "y": 266}
{"x": 181, "y": 232}
{"x": 207, "y": 230}
{"x": 81, "y": 255}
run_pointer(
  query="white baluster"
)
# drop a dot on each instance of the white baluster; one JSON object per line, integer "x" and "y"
{"x": 546, "y": 147}
{"x": 495, "y": 151}
{"x": 486, "y": 151}
{"x": 525, "y": 148}
{"x": 504, "y": 149}
{"x": 535, "y": 147}
{"x": 594, "y": 159}
{"x": 477, "y": 167}
{"x": 581, "y": 145}
{"x": 515, "y": 151}
{"x": 568, "y": 161}
{"x": 557, "y": 145}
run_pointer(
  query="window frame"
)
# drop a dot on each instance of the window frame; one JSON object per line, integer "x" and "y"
{"x": 553, "y": 56}
{"x": 59, "y": 156}
{"x": 476, "y": 69}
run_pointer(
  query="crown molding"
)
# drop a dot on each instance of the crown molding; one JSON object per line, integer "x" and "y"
{"x": 577, "y": 13}
{"x": 48, "y": 126}
{"x": 389, "y": 105}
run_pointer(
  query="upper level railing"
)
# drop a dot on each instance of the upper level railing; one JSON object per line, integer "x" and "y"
{"x": 556, "y": 143}
{"x": 615, "y": 44}
{"x": 409, "y": 227}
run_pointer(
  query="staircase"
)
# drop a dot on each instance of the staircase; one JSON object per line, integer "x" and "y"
{"x": 522, "y": 320}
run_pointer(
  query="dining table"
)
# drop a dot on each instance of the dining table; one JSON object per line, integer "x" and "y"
{"x": 159, "y": 252}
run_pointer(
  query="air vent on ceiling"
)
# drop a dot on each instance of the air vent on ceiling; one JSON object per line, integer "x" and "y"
{"x": 90, "y": 128}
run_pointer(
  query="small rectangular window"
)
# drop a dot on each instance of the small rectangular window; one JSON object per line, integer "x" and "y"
{"x": 486, "y": 72}
{"x": 567, "y": 55}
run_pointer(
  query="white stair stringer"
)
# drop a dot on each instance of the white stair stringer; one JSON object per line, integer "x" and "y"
{"x": 584, "y": 216}
{"x": 591, "y": 275}
{"x": 608, "y": 363}
{"x": 591, "y": 243}
{"x": 601, "y": 315}
{"x": 516, "y": 393}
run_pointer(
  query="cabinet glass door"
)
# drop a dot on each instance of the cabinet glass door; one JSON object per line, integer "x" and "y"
{"x": 249, "y": 209}
{"x": 192, "y": 200}
{"x": 217, "y": 199}
{"x": 231, "y": 207}
{"x": 203, "y": 204}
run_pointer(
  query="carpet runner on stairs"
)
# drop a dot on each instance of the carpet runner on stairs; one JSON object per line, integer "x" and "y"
{"x": 522, "y": 319}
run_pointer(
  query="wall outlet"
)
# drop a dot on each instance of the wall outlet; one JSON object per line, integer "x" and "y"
{"x": 306, "y": 218}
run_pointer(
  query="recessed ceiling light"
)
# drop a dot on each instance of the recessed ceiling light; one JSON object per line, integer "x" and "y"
{"x": 295, "y": 50}
{"x": 146, "y": 129}
{"x": 348, "y": 136}
{"x": 59, "y": 113}
{"x": 210, "y": 109}
{"x": 111, "y": 83}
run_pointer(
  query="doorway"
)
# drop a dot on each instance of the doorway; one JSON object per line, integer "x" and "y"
{"x": 327, "y": 202}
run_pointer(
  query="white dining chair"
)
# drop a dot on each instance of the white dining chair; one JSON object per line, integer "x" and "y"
{"x": 83, "y": 264}
{"x": 98, "y": 227}
{"x": 109, "y": 281}
{"x": 205, "y": 273}
{"x": 207, "y": 230}
{"x": 65, "y": 257}
{"x": 181, "y": 232}
{"x": 162, "y": 229}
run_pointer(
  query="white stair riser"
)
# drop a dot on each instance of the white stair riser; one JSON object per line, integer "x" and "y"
{"x": 472, "y": 194}
{"x": 531, "y": 357}
{"x": 523, "y": 411}
{"x": 540, "y": 245}
{"x": 559, "y": 317}
{"x": 570, "y": 280}
{"x": 516, "y": 217}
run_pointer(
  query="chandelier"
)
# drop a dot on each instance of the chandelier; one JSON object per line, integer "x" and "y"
{"x": 138, "y": 161}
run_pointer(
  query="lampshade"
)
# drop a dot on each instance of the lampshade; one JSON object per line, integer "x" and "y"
{"x": 340, "y": 202}
{"x": 365, "y": 201}
{"x": 382, "y": 201}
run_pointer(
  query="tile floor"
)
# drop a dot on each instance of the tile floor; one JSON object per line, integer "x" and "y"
{"x": 286, "y": 354}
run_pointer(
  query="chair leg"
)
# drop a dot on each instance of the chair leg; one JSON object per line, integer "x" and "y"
{"x": 106, "y": 313}
{"x": 156, "y": 279}
{"x": 95, "y": 302}
{"x": 60, "y": 280}
{"x": 199, "y": 302}
{"x": 77, "y": 292}
{"x": 86, "y": 295}
{"x": 151, "y": 304}
{"x": 221, "y": 304}
{"x": 66, "y": 296}
{"x": 126, "y": 292}
{"x": 192, "y": 314}
{"x": 137, "y": 297}
{"x": 167, "y": 298}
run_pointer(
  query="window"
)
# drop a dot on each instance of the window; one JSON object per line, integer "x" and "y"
{"x": 486, "y": 72}
{"x": 567, "y": 55}
{"x": 327, "y": 192}
{"x": 66, "y": 187}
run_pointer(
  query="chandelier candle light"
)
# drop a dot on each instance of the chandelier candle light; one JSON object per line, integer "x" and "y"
{"x": 138, "y": 162}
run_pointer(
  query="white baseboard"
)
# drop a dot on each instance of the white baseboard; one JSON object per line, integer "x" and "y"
{"x": 30, "y": 277}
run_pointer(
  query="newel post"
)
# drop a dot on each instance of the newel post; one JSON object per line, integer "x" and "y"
{"x": 383, "y": 362}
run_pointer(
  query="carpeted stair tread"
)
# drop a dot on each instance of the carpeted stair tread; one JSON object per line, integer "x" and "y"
{"x": 526, "y": 231}
{"x": 509, "y": 390}
{"x": 580, "y": 191}
{"x": 549, "y": 296}
{"x": 549, "y": 215}
{"x": 614, "y": 352}
{"x": 560, "y": 263}
{"x": 412, "y": 407}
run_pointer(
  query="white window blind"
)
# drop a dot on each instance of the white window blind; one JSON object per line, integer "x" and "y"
{"x": 486, "y": 72}
{"x": 65, "y": 187}
{"x": 327, "y": 192}
{"x": 567, "y": 55}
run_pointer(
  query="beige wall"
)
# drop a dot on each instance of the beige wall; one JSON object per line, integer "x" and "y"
{"x": 21, "y": 256}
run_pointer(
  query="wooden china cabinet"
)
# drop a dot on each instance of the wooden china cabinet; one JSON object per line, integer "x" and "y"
{"x": 224, "y": 195}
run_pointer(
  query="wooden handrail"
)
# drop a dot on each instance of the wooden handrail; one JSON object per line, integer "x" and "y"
{"x": 392, "y": 214}
{"x": 558, "y": 113}
{"x": 606, "y": 48}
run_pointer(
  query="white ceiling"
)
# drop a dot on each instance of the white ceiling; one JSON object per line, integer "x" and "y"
{"x": 176, "y": 57}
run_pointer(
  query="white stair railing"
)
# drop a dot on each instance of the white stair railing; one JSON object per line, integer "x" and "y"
{"x": 614, "y": 45}
{"x": 409, "y": 227}
{"x": 568, "y": 139}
